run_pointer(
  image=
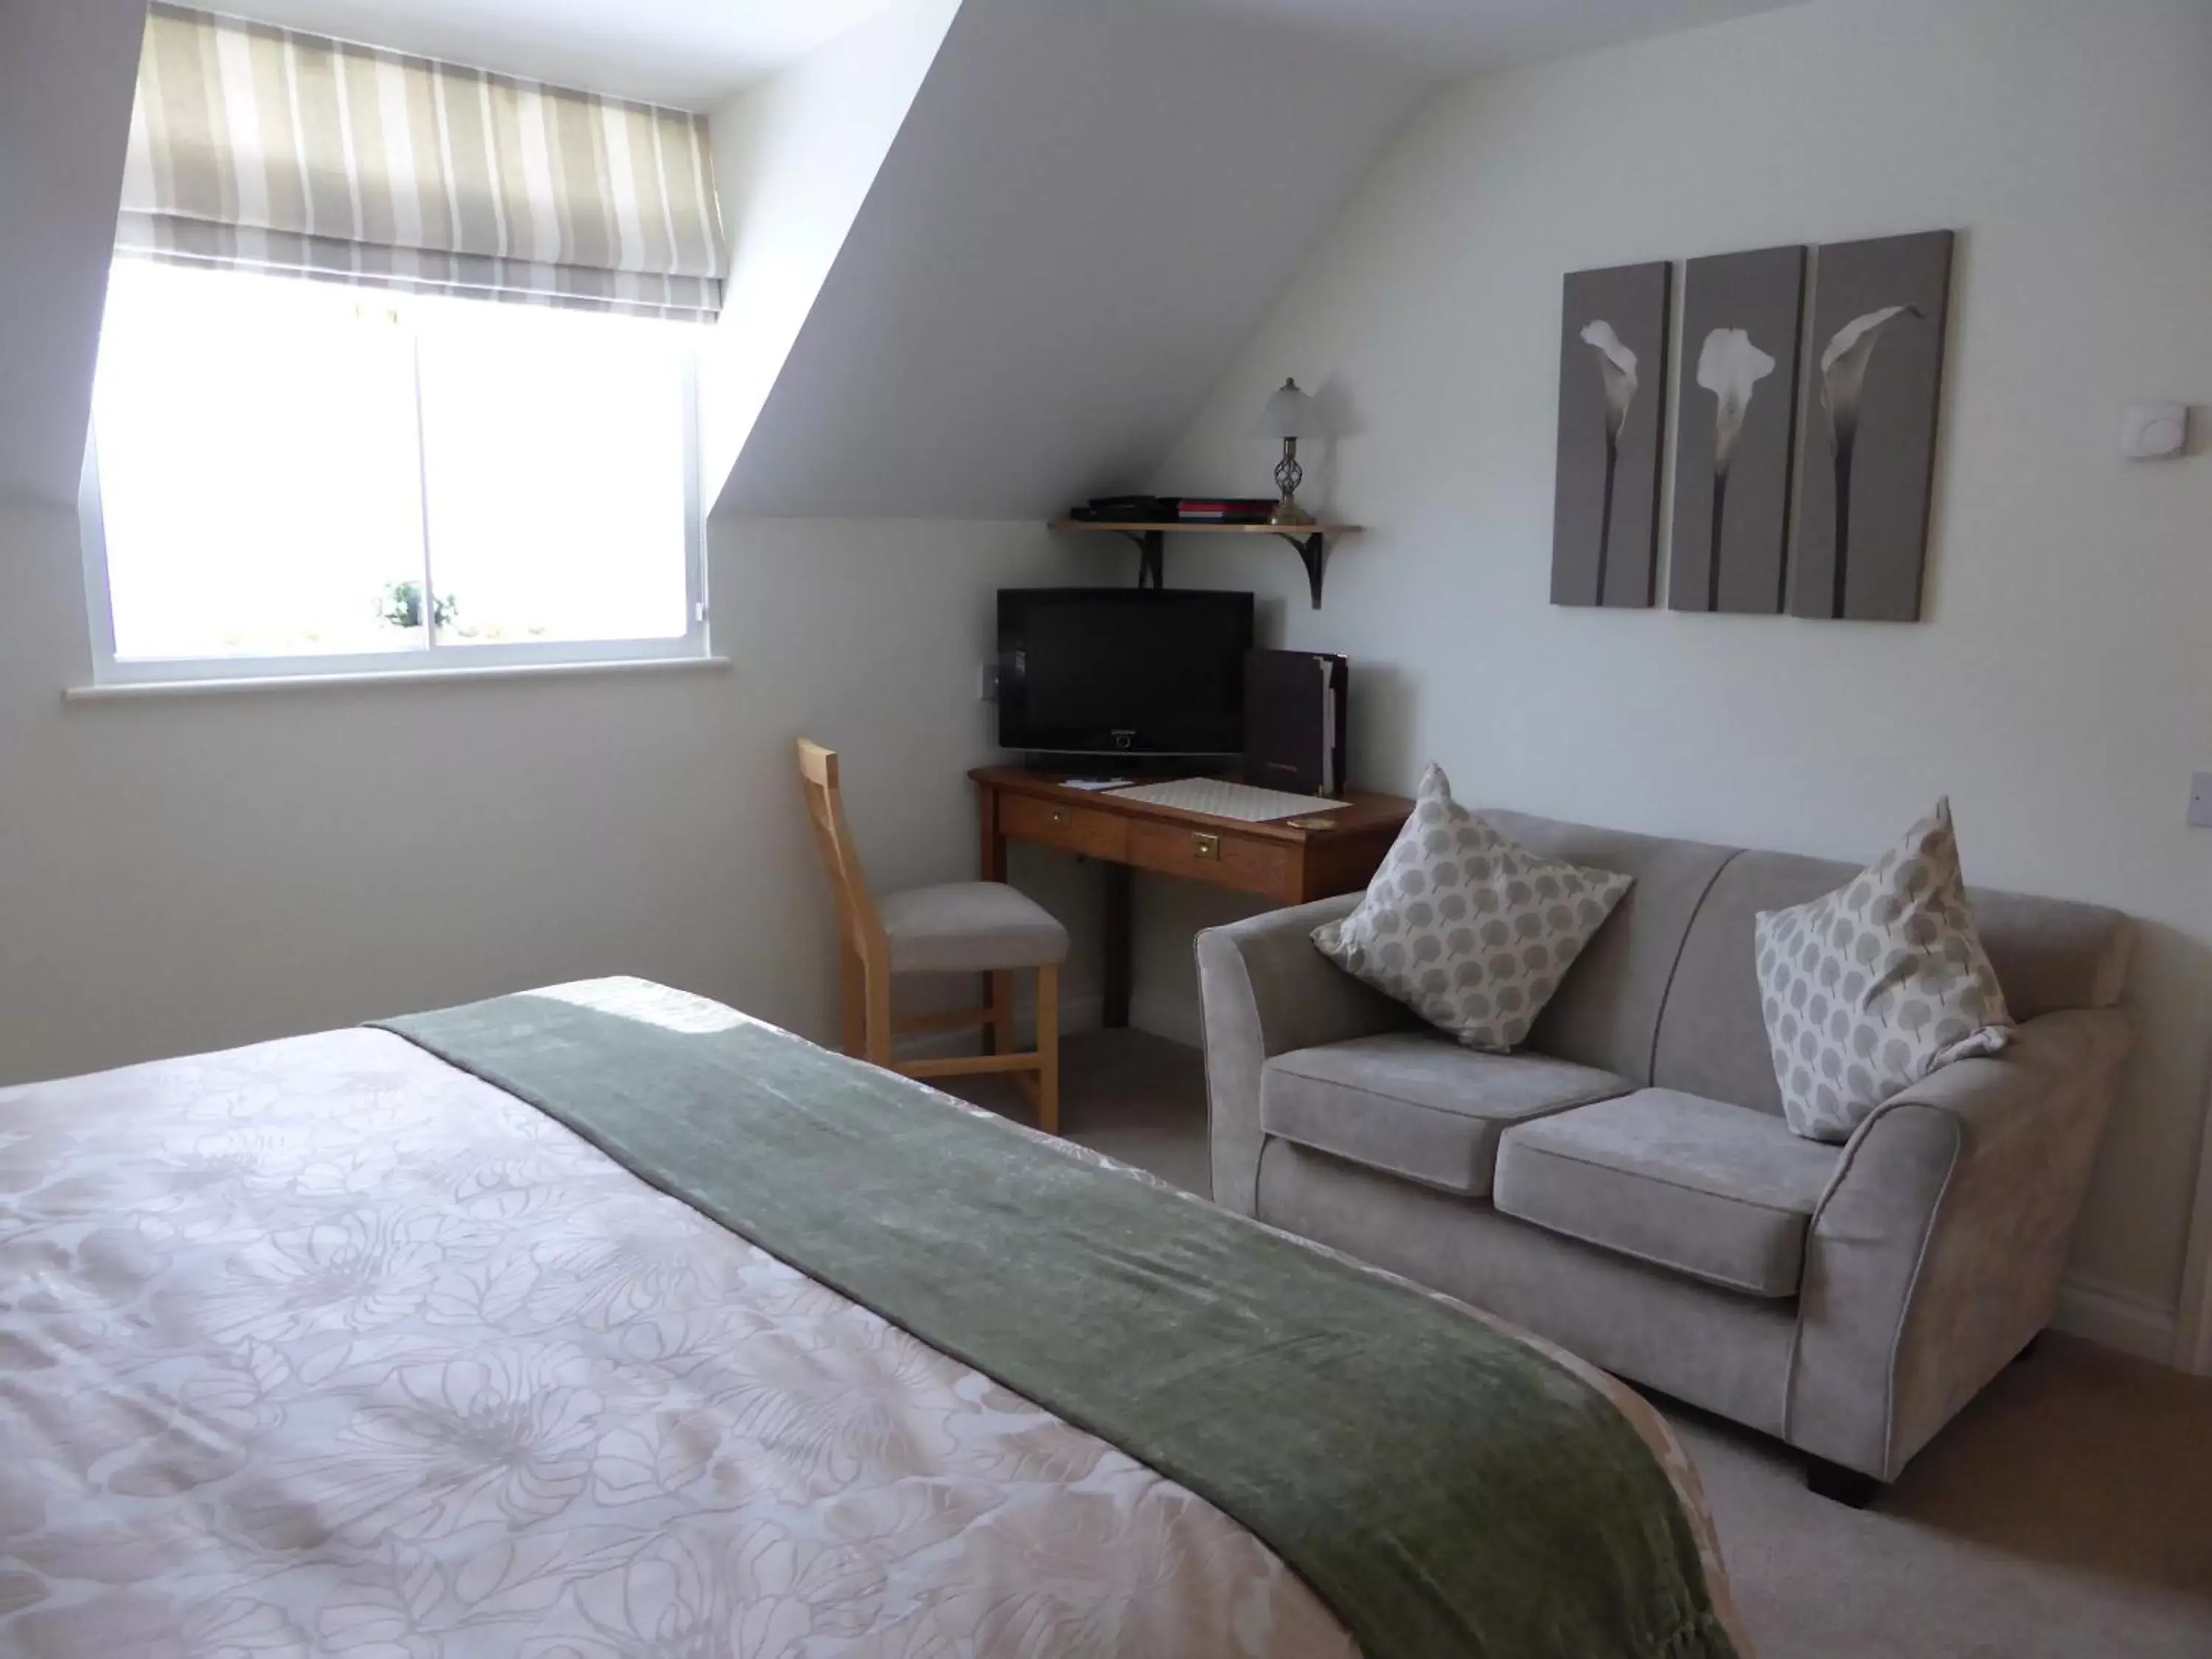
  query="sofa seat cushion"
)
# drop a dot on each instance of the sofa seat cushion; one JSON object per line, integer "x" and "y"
{"x": 1415, "y": 1105}
{"x": 1722, "y": 1193}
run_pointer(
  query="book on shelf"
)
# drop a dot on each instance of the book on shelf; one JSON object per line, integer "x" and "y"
{"x": 1237, "y": 510}
{"x": 1167, "y": 510}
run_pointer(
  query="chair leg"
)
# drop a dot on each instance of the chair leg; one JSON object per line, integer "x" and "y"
{"x": 855, "y": 979}
{"x": 1001, "y": 1028}
{"x": 1048, "y": 1048}
{"x": 878, "y": 1040}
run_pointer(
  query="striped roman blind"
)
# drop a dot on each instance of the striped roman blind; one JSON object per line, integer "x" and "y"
{"x": 263, "y": 148}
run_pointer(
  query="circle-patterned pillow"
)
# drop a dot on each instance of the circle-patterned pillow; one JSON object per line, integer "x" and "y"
{"x": 1870, "y": 988}
{"x": 1471, "y": 932}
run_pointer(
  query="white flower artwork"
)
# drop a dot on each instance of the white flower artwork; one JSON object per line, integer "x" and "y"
{"x": 1730, "y": 367}
{"x": 1614, "y": 388}
{"x": 1867, "y": 444}
{"x": 1734, "y": 410}
{"x": 1617, "y": 364}
{"x": 1842, "y": 385}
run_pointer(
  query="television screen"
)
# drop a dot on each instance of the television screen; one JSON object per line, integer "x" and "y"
{"x": 1122, "y": 670}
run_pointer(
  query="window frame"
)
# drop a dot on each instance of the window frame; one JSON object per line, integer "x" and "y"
{"x": 434, "y": 658}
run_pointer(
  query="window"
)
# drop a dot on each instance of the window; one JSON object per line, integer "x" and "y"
{"x": 293, "y": 476}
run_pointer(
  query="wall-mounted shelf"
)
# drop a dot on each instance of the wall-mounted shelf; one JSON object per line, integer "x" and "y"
{"x": 1311, "y": 541}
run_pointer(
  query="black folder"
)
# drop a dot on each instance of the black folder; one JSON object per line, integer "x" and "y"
{"x": 1294, "y": 707}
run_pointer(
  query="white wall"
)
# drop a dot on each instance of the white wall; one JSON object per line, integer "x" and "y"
{"x": 794, "y": 157}
{"x": 2059, "y": 688}
{"x": 1088, "y": 207}
{"x": 67, "y": 69}
{"x": 183, "y": 875}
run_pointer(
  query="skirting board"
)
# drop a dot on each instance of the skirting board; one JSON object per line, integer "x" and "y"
{"x": 2116, "y": 1319}
{"x": 1175, "y": 1018}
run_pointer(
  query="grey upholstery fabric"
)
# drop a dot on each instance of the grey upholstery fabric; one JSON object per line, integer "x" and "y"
{"x": 1606, "y": 1012}
{"x": 970, "y": 926}
{"x": 1937, "y": 1254}
{"x": 1712, "y": 1190}
{"x": 1932, "y": 1255}
{"x": 1416, "y": 1104}
{"x": 1265, "y": 991}
{"x": 2049, "y": 954}
{"x": 1728, "y": 1354}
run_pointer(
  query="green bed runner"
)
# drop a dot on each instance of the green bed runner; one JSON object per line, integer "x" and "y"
{"x": 1449, "y": 1492}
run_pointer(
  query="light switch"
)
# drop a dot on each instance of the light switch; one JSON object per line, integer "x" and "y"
{"x": 2153, "y": 432}
{"x": 2200, "y": 801}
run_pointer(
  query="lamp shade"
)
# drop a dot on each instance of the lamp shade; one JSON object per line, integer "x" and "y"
{"x": 1290, "y": 413}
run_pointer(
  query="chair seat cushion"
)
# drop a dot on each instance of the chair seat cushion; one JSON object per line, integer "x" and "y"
{"x": 967, "y": 926}
{"x": 1415, "y": 1105}
{"x": 1721, "y": 1192}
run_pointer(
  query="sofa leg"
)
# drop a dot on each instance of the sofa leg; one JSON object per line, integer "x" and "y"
{"x": 1839, "y": 1484}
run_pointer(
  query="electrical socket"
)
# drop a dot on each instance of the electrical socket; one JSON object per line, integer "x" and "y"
{"x": 987, "y": 684}
{"x": 2200, "y": 801}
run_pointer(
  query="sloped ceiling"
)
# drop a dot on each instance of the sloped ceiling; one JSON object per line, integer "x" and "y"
{"x": 1088, "y": 209}
{"x": 67, "y": 70}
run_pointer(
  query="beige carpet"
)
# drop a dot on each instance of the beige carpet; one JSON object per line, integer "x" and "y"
{"x": 2066, "y": 1514}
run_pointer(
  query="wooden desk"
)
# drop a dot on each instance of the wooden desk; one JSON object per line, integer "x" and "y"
{"x": 1269, "y": 861}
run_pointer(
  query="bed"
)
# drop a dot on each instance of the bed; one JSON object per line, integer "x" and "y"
{"x": 336, "y": 1345}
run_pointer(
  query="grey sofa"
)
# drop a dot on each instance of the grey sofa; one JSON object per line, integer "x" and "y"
{"x": 1625, "y": 1185}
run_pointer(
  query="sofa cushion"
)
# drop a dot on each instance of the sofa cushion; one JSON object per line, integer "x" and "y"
{"x": 1469, "y": 931}
{"x": 1722, "y": 1193}
{"x": 2049, "y": 955}
{"x": 1869, "y": 989}
{"x": 1410, "y": 1103}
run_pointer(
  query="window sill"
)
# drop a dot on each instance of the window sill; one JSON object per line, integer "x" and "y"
{"x": 136, "y": 690}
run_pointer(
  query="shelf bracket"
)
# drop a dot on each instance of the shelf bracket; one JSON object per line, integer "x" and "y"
{"x": 1313, "y": 553}
{"x": 1151, "y": 547}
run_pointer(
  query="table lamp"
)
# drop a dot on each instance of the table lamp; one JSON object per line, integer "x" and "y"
{"x": 1290, "y": 416}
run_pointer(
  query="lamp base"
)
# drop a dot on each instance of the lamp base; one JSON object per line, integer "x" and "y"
{"x": 1291, "y": 513}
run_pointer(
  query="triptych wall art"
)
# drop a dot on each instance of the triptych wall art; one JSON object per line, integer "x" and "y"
{"x": 1803, "y": 459}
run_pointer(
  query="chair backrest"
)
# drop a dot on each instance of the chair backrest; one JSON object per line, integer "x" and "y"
{"x": 857, "y": 921}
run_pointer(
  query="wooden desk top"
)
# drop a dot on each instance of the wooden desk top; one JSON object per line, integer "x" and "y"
{"x": 1364, "y": 812}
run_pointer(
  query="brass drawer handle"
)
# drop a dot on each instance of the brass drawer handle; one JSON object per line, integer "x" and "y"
{"x": 1060, "y": 819}
{"x": 1207, "y": 846}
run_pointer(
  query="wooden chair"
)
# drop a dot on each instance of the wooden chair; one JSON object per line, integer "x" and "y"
{"x": 961, "y": 927}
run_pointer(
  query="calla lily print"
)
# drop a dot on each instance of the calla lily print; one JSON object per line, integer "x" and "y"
{"x": 1611, "y": 416}
{"x": 1730, "y": 367}
{"x": 1843, "y": 383}
{"x": 1617, "y": 364}
{"x": 1735, "y": 407}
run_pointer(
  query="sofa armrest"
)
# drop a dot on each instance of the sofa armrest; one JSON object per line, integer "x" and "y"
{"x": 1265, "y": 991}
{"x": 1934, "y": 1256}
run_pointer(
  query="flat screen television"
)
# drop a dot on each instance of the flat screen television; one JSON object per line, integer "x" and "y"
{"x": 1142, "y": 672}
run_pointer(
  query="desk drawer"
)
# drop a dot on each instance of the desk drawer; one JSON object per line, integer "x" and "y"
{"x": 1221, "y": 856}
{"x": 1072, "y": 828}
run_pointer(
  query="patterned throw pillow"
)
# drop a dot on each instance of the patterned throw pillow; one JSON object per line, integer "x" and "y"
{"x": 1874, "y": 987}
{"x": 1469, "y": 931}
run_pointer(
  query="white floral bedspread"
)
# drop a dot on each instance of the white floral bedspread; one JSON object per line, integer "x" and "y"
{"x": 323, "y": 1346}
